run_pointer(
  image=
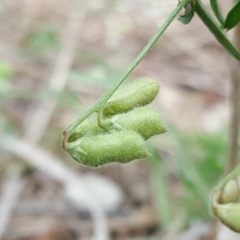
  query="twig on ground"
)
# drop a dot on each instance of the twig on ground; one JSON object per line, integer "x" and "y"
{"x": 12, "y": 187}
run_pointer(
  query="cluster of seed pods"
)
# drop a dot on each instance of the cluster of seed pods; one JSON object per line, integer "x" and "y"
{"x": 126, "y": 124}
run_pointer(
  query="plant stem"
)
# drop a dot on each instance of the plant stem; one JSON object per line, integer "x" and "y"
{"x": 103, "y": 100}
{"x": 225, "y": 42}
{"x": 235, "y": 109}
{"x": 215, "y": 29}
{"x": 217, "y": 11}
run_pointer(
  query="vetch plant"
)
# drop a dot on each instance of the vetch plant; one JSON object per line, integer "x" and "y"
{"x": 123, "y": 123}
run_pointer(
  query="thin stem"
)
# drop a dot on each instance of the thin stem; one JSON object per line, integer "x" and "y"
{"x": 224, "y": 41}
{"x": 103, "y": 100}
{"x": 143, "y": 53}
{"x": 100, "y": 113}
{"x": 215, "y": 29}
{"x": 235, "y": 100}
{"x": 217, "y": 11}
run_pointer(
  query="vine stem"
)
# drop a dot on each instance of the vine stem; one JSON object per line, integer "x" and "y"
{"x": 235, "y": 113}
{"x": 105, "y": 97}
{"x": 216, "y": 30}
{"x": 218, "y": 33}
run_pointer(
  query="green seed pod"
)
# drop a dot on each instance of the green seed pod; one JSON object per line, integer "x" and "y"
{"x": 145, "y": 121}
{"x": 229, "y": 215}
{"x": 138, "y": 93}
{"x": 87, "y": 128}
{"x": 121, "y": 147}
{"x": 230, "y": 193}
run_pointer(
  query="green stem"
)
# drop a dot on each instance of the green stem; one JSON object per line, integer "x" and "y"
{"x": 224, "y": 41}
{"x": 100, "y": 113}
{"x": 103, "y": 100}
{"x": 215, "y": 29}
{"x": 230, "y": 176}
{"x": 217, "y": 11}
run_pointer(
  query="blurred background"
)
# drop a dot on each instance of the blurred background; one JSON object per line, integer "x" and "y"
{"x": 57, "y": 58}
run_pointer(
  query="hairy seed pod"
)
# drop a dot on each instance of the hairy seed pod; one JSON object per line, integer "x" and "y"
{"x": 121, "y": 147}
{"x": 229, "y": 215}
{"x": 145, "y": 121}
{"x": 87, "y": 128}
{"x": 230, "y": 193}
{"x": 138, "y": 93}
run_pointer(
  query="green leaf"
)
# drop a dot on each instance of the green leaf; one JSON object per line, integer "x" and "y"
{"x": 217, "y": 11}
{"x": 233, "y": 17}
{"x": 189, "y": 13}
